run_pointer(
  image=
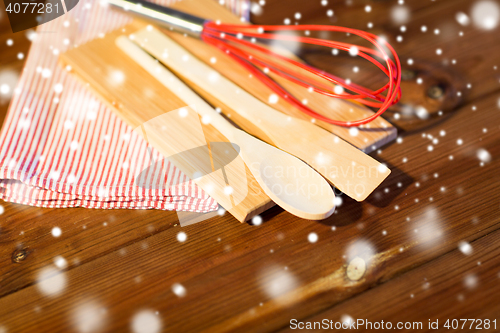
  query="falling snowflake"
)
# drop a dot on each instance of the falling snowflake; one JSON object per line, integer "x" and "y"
{"x": 68, "y": 124}
{"x": 276, "y": 282}
{"x": 256, "y": 9}
{"x": 74, "y": 145}
{"x": 465, "y": 248}
{"x": 8, "y": 80}
{"x": 462, "y": 18}
{"x": 485, "y": 14}
{"x": 181, "y": 236}
{"x": 339, "y": 90}
{"x": 46, "y": 73}
{"x": 273, "y": 99}
{"x": 400, "y": 14}
{"x": 146, "y": 321}
{"x": 428, "y": 229}
{"x": 353, "y": 51}
{"x": 183, "y": 112}
{"x": 470, "y": 281}
{"x": 56, "y": 232}
{"x": 346, "y": 320}
{"x": 353, "y": 131}
{"x": 228, "y": 190}
{"x": 60, "y": 262}
{"x": 51, "y": 281}
{"x": 206, "y": 119}
{"x": 179, "y": 290}
{"x": 483, "y": 155}
{"x": 312, "y": 237}
{"x": 89, "y": 316}
{"x": 116, "y": 77}
{"x": 360, "y": 248}
{"x": 58, "y": 88}
{"x": 257, "y": 220}
{"x": 4, "y": 89}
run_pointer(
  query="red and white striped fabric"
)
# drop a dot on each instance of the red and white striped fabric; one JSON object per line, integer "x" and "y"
{"x": 61, "y": 147}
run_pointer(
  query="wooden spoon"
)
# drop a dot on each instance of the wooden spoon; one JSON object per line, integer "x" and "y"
{"x": 287, "y": 180}
{"x": 349, "y": 169}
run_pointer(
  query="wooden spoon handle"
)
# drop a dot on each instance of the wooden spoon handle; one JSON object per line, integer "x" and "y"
{"x": 173, "y": 83}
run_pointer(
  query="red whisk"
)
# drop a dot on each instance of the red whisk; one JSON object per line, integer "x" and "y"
{"x": 240, "y": 42}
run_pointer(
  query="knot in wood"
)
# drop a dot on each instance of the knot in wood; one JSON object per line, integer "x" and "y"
{"x": 19, "y": 255}
{"x": 356, "y": 269}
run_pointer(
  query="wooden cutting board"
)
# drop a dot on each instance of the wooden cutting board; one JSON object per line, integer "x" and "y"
{"x": 167, "y": 124}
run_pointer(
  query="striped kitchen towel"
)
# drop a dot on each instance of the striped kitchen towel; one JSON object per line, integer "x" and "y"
{"x": 61, "y": 147}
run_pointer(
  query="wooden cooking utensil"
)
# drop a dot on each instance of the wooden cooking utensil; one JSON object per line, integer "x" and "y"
{"x": 349, "y": 169}
{"x": 288, "y": 181}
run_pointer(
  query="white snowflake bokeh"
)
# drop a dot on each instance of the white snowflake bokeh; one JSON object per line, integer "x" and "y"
{"x": 485, "y": 14}
{"x": 146, "y": 321}
{"x": 51, "y": 281}
{"x": 276, "y": 281}
{"x": 89, "y": 316}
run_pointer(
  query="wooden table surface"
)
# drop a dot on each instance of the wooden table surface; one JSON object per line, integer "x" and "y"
{"x": 429, "y": 236}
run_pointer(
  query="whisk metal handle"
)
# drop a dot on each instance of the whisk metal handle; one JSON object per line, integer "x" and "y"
{"x": 164, "y": 16}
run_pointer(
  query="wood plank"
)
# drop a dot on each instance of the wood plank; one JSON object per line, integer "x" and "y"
{"x": 87, "y": 234}
{"x": 456, "y": 285}
{"x": 225, "y": 281}
{"x": 314, "y": 278}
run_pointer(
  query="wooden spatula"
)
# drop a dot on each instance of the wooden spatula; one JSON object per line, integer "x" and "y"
{"x": 349, "y": 169}
{"x": 287, "y": 180}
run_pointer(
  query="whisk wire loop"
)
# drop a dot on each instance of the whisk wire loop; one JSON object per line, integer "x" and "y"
{"x": 257, "y": 58}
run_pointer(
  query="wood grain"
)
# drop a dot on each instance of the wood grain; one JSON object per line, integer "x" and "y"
{"x": 441, "y": 289}
{"x": 242, "y": 270}
{"x": 130, "y": 264}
